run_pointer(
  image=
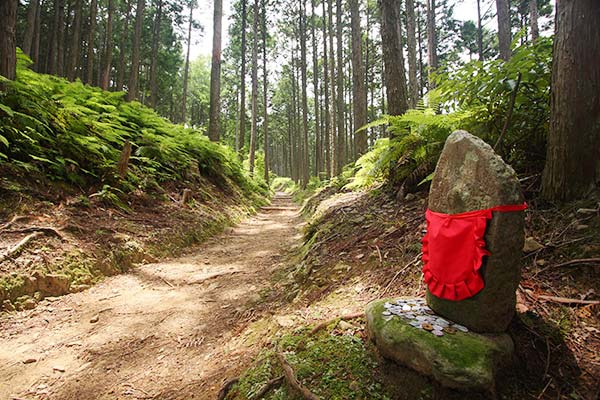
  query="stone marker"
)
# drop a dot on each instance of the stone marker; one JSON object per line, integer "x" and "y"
{"x": 470, "y": 176}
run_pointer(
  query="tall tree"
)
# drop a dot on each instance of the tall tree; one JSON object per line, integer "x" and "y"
{"x": 123, "y": 46}
{"x": 315, "y": 51}
{"x": 431, "y": 41}
{"x": 32, "y": 12}
{"x": 411, "y": 39}
{"x": 90, "y": 47}
{"x": 214, "y": 125}
{"x": 305, "y": 165}
{"x": 341, "y": 139}
{"x": 265, "y": 94}
{"x": 35, "y": 47}
{"x": 253, "y": 131}
{"x": 186, "y": 70}
{"x": 242, "y": 135}
{"x": 132, "y": 89}
{"x": 154, "y": 53}
{"x": 334, "y": 126}
{"x": 108, "y": 50}
{"x": 60, "y": 38}
{"x": 8, "y": 45}
{"x": 503, "y": 13}
{"x": 572, "y": 167}
{"x": 359, "y": 91}
{"x": 327, "y": 133}
{"x": 479, "y": 32}
{"x": 76, "y": 41}
{"x": 533, "y": 20}
{"x": 391, "y": 42}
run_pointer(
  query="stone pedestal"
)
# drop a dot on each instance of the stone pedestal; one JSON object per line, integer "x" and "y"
{"x": 462, "y": 360}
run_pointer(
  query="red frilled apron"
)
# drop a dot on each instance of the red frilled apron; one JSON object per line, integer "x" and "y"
{"x": 453, "y": 250}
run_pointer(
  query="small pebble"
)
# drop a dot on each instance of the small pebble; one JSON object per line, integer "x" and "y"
{"x": 94, "y": 319}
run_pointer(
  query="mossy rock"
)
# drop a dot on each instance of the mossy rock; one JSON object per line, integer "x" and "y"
{"x": 463, "y": 361}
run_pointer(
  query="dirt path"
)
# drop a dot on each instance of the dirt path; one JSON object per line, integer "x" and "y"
{"x": 163, "y": 331}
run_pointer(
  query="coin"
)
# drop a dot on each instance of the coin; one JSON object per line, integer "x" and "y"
{"x": 450, "y": 330}
{"x": 438, "y": 333}
{"x": 386, "y": 313}
{"x": 427, "y": 327}
{"x": 460, "y": 328}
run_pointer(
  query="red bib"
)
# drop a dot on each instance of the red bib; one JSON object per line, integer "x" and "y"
{"x": 453, "y": 250}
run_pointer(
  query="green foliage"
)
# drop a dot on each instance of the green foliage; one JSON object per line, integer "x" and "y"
{"x": 74, "y": 132}
{"x": 417, "y": 140}
{"x": 476, "y": 97}
{"x": 484, "y": 90}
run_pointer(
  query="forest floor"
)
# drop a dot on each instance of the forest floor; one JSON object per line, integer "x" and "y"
{"x": 163, "y": 330}
{"x": 183, "y": 327}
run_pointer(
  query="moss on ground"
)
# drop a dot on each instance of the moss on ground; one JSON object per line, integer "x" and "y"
{"x": 331, "y": 367}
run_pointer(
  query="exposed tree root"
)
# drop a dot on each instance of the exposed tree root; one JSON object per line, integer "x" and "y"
{"x": 227, "y": 388}
{"x": 45, "y": 229}
{"x": 291, "y": 379}
{"x": 565, "y": 300}
{"x": 265, "y": 389}
{"x": 324, "y": 324}
{"x": 19, "y": 246}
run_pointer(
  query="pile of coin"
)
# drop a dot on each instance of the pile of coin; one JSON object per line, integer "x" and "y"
{"x": 419, "y": 315}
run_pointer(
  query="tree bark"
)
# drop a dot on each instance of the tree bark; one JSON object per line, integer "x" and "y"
{"x": 479, "y": 32}
{"x": 341, "y": 130}
{"x": 305, "y": 164}
{"x": 242, "y": 137}
{"x": 318, "y": 141}
{"x": 105, "y": 79}
{"x": 431, "y": 42}
{"x": 395, "y": 80}
{"x": 60, "y": 50}
{"x": 265, "y": 86}
{"x": 186, "y": 71}
{"x": 124, "y": 36}
{"x": 132, "y": 89}
{"x": 35, "y": 47}
{"x": 412, "y": 53}
{"x": 327, "y": 133}
{"x": 32, "y": 12}
{"x": 76, "y": 42}
{"x": 533, "y": 20}
{"x": 154, "y": 55}
{"x": 8, "y": 40}
{"x": 503, "y": 13}
{"x": 359, "y": 91}
{"x": 572, "y": 167}
{"x": 253, "y": 131}
{"x": 214, "y": 124}
{"x": 90, "y": 49}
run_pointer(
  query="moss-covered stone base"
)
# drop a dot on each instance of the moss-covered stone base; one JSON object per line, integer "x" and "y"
{"x": 464, "y": 361}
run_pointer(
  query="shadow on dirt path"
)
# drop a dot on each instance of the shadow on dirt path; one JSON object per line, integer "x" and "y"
{"x": 163, "y": 328}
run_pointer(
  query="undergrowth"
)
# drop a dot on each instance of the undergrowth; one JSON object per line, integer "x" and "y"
{"x": 76, "y": 133}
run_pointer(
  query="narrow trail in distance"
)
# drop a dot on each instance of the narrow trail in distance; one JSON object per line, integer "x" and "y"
{"x": 162, "y": 331}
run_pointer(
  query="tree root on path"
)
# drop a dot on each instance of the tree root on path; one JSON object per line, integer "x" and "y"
{"x": 291, "y": 379}
{"x": 346, "y": 317}
{"x": 36, "y": 232}
{"x": 19, "y": 246}
{"x": 227, "y": 388}
{"x": 265, "y": 389}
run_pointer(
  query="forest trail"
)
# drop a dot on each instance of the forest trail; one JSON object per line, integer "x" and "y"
{"x": 164, "y": 330}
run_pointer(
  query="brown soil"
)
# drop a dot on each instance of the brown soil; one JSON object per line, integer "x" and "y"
{"x": 164, "y": 330}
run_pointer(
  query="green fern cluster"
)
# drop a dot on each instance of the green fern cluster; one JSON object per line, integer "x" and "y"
{"x": 74, "y": 132}
{"x": 417, "y": 140}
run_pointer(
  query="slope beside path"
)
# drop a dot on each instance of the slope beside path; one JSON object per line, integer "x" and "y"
{"x": 161, "y": 331}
